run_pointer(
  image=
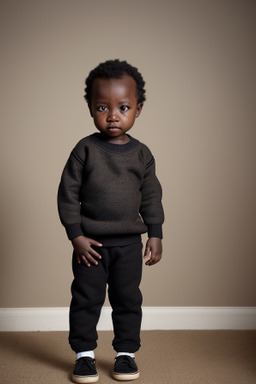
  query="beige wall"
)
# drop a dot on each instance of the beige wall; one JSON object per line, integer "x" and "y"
{"x": 198, "y": 59}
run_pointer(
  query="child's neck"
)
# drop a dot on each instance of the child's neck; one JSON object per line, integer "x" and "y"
{"x": 123, "y": 139}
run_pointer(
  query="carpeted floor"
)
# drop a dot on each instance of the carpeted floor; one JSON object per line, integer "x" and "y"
{"x": 166, "y": 357}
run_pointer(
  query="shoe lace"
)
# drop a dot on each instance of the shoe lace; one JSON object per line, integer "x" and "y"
{"x": 124, "y": 360}
{"x": 89, "y": 362}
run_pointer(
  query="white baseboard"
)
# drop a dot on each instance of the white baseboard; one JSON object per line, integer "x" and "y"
{"x": 165, "y": 318}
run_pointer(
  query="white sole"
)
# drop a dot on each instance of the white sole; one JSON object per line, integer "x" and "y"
{"x": 85, "y": 379}
{"x": 126, "y": 376}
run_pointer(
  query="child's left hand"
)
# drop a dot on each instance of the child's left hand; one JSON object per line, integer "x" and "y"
{"x": 153, "y": 250}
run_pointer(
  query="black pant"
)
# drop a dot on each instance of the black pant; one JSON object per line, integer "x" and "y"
{"x": 121, "y": 269}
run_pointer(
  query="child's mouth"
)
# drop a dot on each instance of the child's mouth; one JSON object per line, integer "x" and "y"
{"x": 113, "y": 129}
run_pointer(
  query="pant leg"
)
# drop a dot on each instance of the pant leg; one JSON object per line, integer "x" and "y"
{"x": 125, "y": 296}
{"x": 88, "y": 295}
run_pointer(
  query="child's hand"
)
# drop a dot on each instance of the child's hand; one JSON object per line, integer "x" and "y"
{"x": 83, "y": 250}
{"x": 153, "y": 250}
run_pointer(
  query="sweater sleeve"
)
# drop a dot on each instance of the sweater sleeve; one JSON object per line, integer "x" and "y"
{"x": 151, "y": 209}
{"x": 69, "y": 206}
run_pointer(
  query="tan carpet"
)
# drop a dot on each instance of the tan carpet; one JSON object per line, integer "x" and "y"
{"x": 166, "y": 357}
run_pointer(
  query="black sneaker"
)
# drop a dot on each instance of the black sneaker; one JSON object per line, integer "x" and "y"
{"x": 85, "y": 371}
{"x": 125, "y": 368}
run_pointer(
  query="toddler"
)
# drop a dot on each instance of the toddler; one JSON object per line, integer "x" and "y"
{"x": 108, "y": 196}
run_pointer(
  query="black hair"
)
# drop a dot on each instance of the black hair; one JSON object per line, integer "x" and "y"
{"x": 115, "y": 69}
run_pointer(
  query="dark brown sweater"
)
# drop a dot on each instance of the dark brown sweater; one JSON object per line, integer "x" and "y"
{"x": 110, "y": 191}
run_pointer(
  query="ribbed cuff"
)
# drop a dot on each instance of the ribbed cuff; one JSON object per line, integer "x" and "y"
{"x": 74, "y": 230}
{"x": 155, "y": 230}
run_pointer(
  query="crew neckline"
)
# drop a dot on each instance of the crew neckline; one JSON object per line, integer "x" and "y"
{"x": 98, "y": 139}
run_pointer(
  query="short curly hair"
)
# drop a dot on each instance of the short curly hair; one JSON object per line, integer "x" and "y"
{"x": 115, "y": 69}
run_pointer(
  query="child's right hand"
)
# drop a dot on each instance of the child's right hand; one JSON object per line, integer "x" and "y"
{"x": 83, "y": 250}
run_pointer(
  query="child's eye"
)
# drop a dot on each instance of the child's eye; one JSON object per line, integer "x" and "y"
{"x": 102, "y": 108}
{"x": 124, "y": 108}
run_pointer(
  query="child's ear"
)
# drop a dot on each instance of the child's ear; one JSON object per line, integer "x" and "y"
{"x": 139, "y": 109}
{"x": 90, "y": 109}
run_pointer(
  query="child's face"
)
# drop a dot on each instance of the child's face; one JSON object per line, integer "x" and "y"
{"x": 114, "y": 107}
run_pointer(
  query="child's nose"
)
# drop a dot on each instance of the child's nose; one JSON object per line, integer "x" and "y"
{"x": 113, "y": 115}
